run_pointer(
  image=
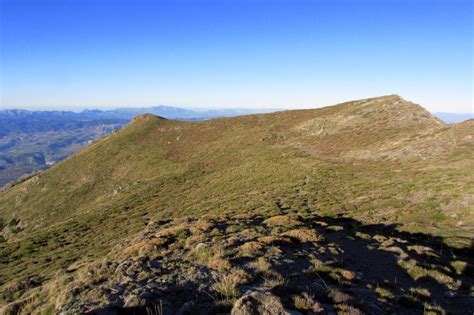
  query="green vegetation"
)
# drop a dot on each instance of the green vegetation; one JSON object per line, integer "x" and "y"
{"x": 380, "y": 160}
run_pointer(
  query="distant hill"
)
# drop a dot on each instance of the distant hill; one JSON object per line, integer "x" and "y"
{"x": 361, "y": 207}
{"x": 31, "y": 141}
{"x": 452, "y": 118}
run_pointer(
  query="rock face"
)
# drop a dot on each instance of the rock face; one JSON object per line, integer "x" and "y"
{"x": 259, "y": 302}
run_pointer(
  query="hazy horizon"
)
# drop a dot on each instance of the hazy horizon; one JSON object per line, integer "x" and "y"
{"x": 234, "y": 54}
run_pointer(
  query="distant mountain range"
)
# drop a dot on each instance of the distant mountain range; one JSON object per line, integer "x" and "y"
{"x": 34, "y": 140}
{"x": 452, "y": 118}
{"x": 168, "y": 112}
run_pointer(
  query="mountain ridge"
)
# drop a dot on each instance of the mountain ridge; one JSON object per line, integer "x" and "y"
{"x": 31, "y": 141}
{"x": 344, "y": 161}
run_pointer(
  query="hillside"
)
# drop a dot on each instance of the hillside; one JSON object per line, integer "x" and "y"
{"x": 31, "y": 141}
{"x": 319, "y": 184}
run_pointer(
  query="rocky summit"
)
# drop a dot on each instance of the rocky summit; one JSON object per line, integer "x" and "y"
{"x": 365, "y": 207}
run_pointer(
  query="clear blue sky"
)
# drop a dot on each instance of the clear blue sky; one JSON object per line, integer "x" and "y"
{"x": 292, "y": 54}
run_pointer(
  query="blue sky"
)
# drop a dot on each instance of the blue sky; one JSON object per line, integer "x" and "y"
{"x": 235, "y": 53}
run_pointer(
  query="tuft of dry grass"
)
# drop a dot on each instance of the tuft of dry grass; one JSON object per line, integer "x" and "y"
{"x": 261, "y": 265}
{"x": 219, "y": 264}
{"x": 420, "y": 292}
{"x": 459, "y": 266}
{"x": 383, "y": 292}
{"x": 192, "y": 240}
{"x": 201, "y": 225}
{"x": 172, "y": 231}
{"x": 250, "y": 232}
{"x": 307, "y": 303}
{"x": 243, "y": 216}
{"x": 226, "y": 286}
{"x": 346, "y": 309}
{"x": 240, "y": 276}
{"x": 273, "y": 239}
{"x": 347, "y": 274}
{"x": 417, "y": 272}
{"x": 282, "y": 220}
{"x": 273, "y": 280}
{"x": 250, "y": 249}
{"x": 304, "y": 235}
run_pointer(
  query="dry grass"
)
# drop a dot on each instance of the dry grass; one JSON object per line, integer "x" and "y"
{"x": 144, "y": 248}
{"x": 282, "y": 220}
{"x": 346, "y": 309}
{"x": 195, "y": 239}
{"x": 69, "y": 211}
{"x": 226, "y": 286}
{"x": 417, "y": 272}
{"x": 270, "y": 239}
{"x": 172, "y": 231}
{"x": 420, "y": 292}
{"x": 273, "y": 280}
{"x": 240, "y": 276}
{"x": 261, "y": 265}
{"x": 459, "y": 266}
{"x": 219, "y": 264}
{"x": 347, "y": 274}
{"x": 304, "y": 235}
{"x": 201, "y": 225}
{"x": 307, "y": 303}
{"x": 250, "y": 249}
{"x": 383, "y": 292}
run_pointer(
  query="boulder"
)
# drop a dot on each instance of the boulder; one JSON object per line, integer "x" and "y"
{"x": 259, "y": 302}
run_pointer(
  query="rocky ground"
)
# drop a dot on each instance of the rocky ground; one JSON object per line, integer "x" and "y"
{"x": 285, "y": 264}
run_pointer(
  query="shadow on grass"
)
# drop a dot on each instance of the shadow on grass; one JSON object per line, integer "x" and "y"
{"x": 371, "y": 269}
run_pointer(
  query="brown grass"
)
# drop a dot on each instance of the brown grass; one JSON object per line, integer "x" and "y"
{"x": 282, "y": 220}
{"x": 270, "y": 239}
{"x": 304, "y": 235}
{"x": 250, "y": 249}
{"x": 219, "y": 264}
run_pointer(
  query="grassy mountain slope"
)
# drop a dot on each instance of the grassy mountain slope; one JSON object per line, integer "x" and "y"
{"x": 31, "y": 141}
{"x": 381, "y": 160}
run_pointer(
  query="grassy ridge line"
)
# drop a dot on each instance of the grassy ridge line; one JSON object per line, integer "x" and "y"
{"x": 159, "y": 169}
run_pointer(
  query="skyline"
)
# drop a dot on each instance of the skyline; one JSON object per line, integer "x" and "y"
{"x": 235, "y": 54}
